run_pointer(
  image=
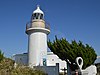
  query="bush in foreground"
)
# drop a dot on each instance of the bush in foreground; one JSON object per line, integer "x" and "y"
{"x": 7, "y": 68}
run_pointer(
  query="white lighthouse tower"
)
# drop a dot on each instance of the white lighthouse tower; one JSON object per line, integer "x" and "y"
{"x": 37, "y": 31}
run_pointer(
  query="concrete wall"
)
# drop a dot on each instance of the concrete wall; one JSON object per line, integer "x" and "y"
{"x": 50, "y": 70}
{"x": 52, "y": 59}
{"x": 37, "y": 48}
{"x": 21, "y": 59}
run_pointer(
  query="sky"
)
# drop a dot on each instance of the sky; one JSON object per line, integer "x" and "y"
{"x": 71, "y": 19}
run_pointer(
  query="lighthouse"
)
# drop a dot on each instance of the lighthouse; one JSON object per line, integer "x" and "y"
{"x": 37, "y": 30}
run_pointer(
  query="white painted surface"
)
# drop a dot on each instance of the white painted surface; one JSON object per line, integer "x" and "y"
{"x": 80, "y": 65}
{"x": 38, "y": 10}
{"x": 37, "y": 39}
{"x": 37, "y": 48}
{"x": 52, "y": 59}
{"x": 21, "y": 59}
{"x": 91, "y": 70}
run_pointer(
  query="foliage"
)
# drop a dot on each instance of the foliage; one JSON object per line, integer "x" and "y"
{"x": 23, "y": 70}
{"x": 70, "y": 51}
{"x": 7, "y": 68}
{"x": 1, "y": 55}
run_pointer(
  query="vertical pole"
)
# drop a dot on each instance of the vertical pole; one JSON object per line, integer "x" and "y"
{"x": 68, "y": 69}
{"x": 76, "y": 72}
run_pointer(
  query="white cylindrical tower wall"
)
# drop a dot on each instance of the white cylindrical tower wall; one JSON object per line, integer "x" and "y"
{"x": 37, "y": 48}
{"x": 37, "y": 32}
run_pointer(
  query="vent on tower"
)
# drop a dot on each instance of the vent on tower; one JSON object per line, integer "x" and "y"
{"x": 37, "y": 14}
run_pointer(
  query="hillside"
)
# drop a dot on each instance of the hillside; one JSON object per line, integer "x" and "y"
{"x": 7, "y": 68}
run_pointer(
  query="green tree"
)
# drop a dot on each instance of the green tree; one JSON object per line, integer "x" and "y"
{"x": 1, "y": 55}
{"x": 70, "y": 51}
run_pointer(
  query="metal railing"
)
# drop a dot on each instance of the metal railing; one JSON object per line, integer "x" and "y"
{"x": 29, "y": 25}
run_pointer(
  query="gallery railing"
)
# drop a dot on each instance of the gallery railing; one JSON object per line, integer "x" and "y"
{"x": 29, "y": 25}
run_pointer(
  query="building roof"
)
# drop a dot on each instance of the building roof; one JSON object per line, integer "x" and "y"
{"x": 97, "y": 61}
{"x": 38, "y": 10}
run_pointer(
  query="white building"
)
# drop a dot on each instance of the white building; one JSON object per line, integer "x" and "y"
{"x": 21, "y": 59}
{"x": 52, "y": 59}
{"x": 37, "y": 31}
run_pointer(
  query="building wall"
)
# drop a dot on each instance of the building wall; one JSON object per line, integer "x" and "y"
{"x": 37, "y": 48}
{"x": 52, "y": 59}
{"x": 50, "y": 70}
{"x": 21, "y": 59}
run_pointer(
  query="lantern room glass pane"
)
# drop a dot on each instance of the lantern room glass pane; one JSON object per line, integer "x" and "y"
{"x": 37, "y": 16}
{"x": 41, "y": 16}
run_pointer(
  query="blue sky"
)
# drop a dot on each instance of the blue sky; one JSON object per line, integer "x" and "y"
{"x": 72, "y": 19}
